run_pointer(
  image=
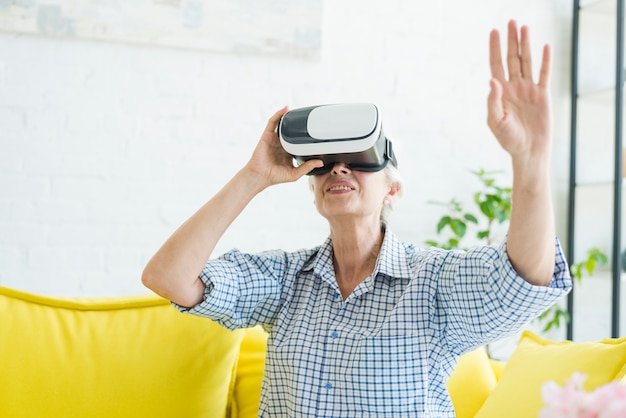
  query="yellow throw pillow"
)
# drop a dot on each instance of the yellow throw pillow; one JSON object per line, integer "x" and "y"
{"x": 498, "y": 367}
{"x": 250, "y": 367}
{"x": 116, "y": 357}
{"x": 537, "y": 360}
{"x": 471, "y": 382}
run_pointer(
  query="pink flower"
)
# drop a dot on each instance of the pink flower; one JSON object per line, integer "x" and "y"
{"x": 572, "y": 401}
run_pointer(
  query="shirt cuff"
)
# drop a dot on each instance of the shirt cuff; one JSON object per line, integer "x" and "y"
{"x": 219, "y": 299}
{"x": 513, "y": 286}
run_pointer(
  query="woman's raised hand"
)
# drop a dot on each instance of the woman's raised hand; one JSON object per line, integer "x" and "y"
{"x": 518, "y": 108}
{"x": 271, "y": 163}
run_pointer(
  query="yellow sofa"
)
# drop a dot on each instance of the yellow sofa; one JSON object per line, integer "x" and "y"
{"x": 137, "y": 356}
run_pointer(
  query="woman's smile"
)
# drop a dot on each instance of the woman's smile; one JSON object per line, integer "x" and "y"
{"x": 340, "y": 187}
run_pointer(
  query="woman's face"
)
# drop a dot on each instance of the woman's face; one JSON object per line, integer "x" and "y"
{"x": 343, "y": 193}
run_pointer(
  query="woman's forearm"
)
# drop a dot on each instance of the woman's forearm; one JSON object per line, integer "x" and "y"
{"x": 530, "y": 240}
{"x": 173, "y": 272}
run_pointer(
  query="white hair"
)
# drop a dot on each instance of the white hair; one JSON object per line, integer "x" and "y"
{"x": 396, "y": 180}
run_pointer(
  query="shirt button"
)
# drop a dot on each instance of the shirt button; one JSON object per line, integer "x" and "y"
{"x": 334, "y": 334}
{"x": 336, "y": 295}
{"x": 329, "y": 386}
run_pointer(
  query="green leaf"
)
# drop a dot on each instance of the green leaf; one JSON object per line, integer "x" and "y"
{"x": 590, "y": 265}
{"x": 487, "y": 209}
{"x": 502, "y": 215}
{"x": 553, "y": 317}
{"x": 482, "y": 234}
{"x": 458, "y": 227}
{"x": 598, "y": 255}
{"x": 576, "y": 271}
{"x": 442, "y": 223}
{"x": 548, "y": 326}
{"x": 456, "y": 205}
{"x": 471, "y": 218}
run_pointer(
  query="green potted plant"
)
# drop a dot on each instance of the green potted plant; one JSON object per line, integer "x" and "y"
{"x": 493, "y": 203}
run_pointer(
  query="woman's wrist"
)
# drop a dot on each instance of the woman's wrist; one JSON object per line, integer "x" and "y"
{"x": 250, "y": 180}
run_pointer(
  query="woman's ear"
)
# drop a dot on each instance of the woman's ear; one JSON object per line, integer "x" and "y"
{"x": 393, "y": 189}
{"x": 391, "y": 194}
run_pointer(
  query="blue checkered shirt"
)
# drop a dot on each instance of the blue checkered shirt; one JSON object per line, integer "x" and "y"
{"x": 389, "y": 348}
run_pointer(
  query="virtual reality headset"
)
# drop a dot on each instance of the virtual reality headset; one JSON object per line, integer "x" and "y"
{"x": 350, "y": 133}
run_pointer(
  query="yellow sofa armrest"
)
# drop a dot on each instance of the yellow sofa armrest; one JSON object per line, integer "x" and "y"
{"x": 115, "y": 357}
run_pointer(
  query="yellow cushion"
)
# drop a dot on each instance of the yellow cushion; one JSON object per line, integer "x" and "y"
{"x": 498, "y": 367}
{"x": 111, "y": 357}
{"x": 249, "y": 376}
{"x": 537, "y": 360}
{"x": 471, "y": 382}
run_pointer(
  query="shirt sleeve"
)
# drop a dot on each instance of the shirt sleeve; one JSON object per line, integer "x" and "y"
{"x": 242, "y": 290}
{"x": 484, "y": 298}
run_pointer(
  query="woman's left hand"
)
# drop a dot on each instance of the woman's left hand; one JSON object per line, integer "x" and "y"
{"x": 518, "y": 108}
{"x": 519, "y": 117}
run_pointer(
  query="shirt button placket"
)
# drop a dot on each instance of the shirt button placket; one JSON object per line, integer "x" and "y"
{"x": 333, "y": 340}
{"x": 333, "y": 336}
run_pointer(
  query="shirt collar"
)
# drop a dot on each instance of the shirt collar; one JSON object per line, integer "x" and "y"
{"x": 392, "y": 259}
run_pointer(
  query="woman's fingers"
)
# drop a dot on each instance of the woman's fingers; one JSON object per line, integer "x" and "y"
{"x": 307, "y": 166}
{"x": 272, "y": 123}
{"x": 513, "y": 52}
{"x": 518, "y": 57}
{"x": 495, "y": 112}
{"x": 495, "y": 56}
{"x": 525, "y": 56}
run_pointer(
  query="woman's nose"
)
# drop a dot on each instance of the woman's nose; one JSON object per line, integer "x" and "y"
{"x": 340, "y": 168}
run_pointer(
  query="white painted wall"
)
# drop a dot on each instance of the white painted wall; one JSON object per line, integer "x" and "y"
{"x": 105, "y": 148}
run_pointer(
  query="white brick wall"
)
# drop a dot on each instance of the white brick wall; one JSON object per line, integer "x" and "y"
{"x": 105, "y": 148}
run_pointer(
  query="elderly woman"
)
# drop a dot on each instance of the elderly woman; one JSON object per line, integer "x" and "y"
{"x": 365, "y": 324}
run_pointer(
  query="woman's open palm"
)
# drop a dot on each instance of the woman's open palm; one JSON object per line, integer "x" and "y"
{"x": 519, "y": 108}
